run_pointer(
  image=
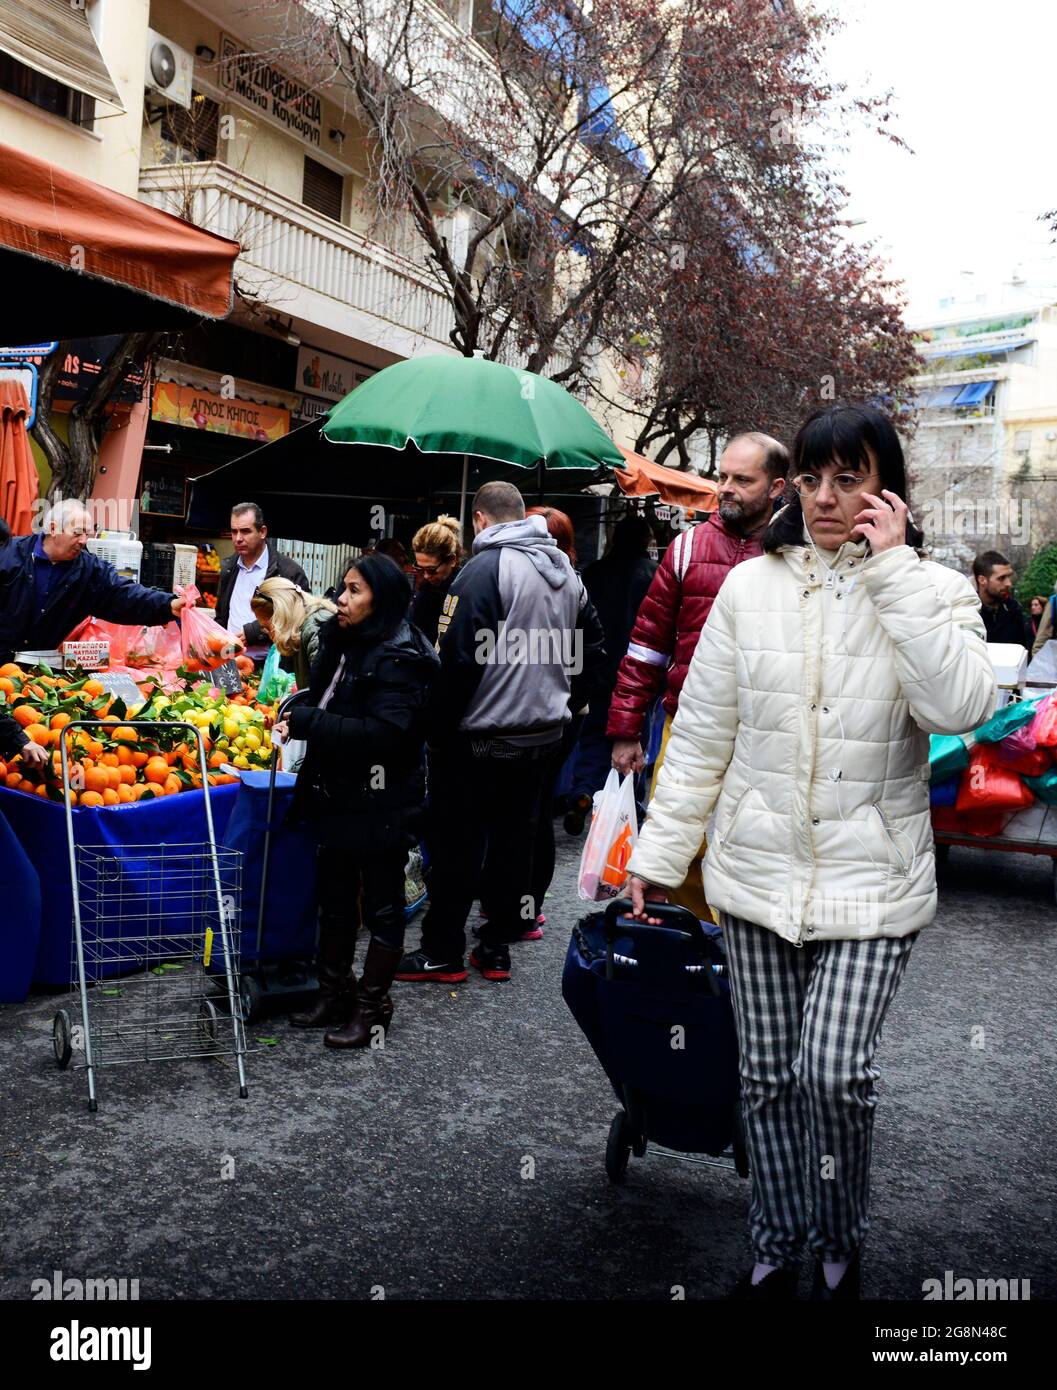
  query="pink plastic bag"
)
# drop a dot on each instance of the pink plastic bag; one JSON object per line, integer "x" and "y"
{"x": 1044, "y": 726}
{"x": 1019, "y": 742}
{"x": 204, "y": 642}
{"x": 156, "y": 647}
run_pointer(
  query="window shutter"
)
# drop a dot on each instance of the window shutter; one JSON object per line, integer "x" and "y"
{"x": 194, "y": 131}
{"x": 55, "y": 39}
{"x": 322, "y": 189}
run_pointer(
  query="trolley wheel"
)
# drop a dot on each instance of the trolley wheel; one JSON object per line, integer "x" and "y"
{"x": 741, "y": 1157}
{"x": 61, "y": 1037}
{"x": 618, "y": 1148}
{"x": 207, "y": 1022}
{"x": 251, "y": 997}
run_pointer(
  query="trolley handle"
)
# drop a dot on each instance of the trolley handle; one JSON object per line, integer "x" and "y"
{"x": 288, "y": 701}
{"x": 673, "y": 918}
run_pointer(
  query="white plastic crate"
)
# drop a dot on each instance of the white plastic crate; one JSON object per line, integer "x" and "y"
{"x": 120, "y": 549}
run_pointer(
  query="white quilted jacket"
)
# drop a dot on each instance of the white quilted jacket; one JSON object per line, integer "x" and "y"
{"x": 803, "y": 725}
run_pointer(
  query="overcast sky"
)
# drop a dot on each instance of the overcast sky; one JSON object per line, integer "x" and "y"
{"x": 975, "y": 96}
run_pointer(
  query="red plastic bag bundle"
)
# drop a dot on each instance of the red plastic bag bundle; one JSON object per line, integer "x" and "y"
{"x": 1044, "y": 726}
{"x": 1030, "y": 764}
{"x": 204, "y": 642}
{"x": 989, "y": 786}
{"x": 982, "y": 823}
{"x": 96, "y": 630}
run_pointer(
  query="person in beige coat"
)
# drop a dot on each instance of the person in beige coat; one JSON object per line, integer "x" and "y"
{"x": 803, "y": 728}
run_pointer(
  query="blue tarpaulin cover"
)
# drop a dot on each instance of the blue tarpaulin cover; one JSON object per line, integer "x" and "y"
{"x": 40, "y": 829}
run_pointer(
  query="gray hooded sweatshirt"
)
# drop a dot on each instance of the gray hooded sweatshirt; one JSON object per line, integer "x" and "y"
{"x": 510, "y": 638}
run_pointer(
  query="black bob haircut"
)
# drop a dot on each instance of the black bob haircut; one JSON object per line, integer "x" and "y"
{"x": 390, "y": 591}
{"x": 848, "y": 435}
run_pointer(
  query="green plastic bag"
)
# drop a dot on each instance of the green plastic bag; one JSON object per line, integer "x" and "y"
{"x": 1044, "y": 787}
{"x": 276, "y": 683}
{"x": 948, "y": 755}
{"x": 1008, "y": 720}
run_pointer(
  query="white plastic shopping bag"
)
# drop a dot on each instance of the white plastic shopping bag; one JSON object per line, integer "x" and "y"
{"x": 610, "y": 841}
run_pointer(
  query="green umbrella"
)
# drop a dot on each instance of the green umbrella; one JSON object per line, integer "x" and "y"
{"x": 469, "y": 407}
{"x": 430, "y": 427}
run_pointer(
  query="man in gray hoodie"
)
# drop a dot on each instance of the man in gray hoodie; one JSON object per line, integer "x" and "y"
{"x": 511, "y": 643}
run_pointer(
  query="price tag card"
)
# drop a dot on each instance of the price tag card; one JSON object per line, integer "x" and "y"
{"x": 121, "y": 686}
{"x": 229, "y": 678}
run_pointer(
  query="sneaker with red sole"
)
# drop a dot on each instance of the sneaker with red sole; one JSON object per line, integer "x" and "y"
{"x": 419, "y": 968}
{"x": 535, "y": 933}
{"x": 493, "y": 964}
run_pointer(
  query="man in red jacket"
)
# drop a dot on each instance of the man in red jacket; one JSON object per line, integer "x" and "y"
{"x": 752, "y": 473}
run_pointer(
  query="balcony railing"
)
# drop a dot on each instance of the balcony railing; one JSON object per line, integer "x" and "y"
{"x": 286, "y": 241}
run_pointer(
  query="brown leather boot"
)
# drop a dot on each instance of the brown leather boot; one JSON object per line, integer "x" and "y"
{"x": 336, "y": 998}
{"x": 373, "y": 1005}
{"x": 334, "y": 1002}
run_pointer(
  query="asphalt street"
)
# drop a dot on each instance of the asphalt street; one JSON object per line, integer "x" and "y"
{"x": 465, "y": 1160}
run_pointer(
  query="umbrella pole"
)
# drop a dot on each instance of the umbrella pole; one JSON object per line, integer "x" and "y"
{"x": 462, "y": 492}
{"x": 539, "y": 479}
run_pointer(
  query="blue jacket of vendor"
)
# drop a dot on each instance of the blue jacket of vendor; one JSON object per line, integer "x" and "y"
{"x": 86, "y": 587}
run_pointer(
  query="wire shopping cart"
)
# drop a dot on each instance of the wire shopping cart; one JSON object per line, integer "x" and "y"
{"x": 147, "y": 922}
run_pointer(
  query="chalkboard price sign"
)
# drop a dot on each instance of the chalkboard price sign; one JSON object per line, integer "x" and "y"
{"x": 229, "y": 678}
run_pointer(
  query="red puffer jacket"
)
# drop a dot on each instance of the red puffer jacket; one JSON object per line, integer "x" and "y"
{"x": 671, "y": 617}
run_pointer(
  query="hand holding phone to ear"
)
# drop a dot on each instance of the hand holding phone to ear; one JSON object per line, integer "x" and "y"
{"x": 883, "y": 521}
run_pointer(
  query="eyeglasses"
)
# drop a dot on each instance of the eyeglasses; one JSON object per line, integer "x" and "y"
{"x": 426, "y": 569}
{"x": 845, "y": 483}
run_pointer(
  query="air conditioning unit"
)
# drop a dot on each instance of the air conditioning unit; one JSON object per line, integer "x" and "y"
{"x": 169, "y": 69}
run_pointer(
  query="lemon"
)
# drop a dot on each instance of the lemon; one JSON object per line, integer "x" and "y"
{"x": 231, "y": 728}
{"x": 241, "y": 761}
{"x": 251, "y": 739}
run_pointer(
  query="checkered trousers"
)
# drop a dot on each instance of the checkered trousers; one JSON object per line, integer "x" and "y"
{"x": 809, "y": 1021}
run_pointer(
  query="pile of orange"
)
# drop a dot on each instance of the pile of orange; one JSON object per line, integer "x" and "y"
{"x": 109, "y": 764}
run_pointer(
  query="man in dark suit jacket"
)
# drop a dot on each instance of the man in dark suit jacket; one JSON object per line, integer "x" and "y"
{"x": 254, "y": 561}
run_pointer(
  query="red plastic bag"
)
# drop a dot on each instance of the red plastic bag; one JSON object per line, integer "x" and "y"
{"x": 988, "y": 786}
{"x": 1044, "y": 726}
{"x": 204, "y": 642}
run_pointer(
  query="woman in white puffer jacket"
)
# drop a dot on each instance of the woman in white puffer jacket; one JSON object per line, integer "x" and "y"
{"x": 803, "y": 724}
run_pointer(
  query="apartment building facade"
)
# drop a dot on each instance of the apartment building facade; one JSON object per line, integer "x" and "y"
{"x": 195, "y": 109}
{"x": 982, "y": 456}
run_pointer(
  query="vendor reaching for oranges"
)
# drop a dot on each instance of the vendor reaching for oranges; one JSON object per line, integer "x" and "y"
{"x": 51, "y": 581}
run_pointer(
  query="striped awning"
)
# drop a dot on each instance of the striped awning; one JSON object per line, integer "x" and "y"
{"x": 54, "y": 38}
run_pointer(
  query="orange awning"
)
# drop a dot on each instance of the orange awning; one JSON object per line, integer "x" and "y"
{"x": 643, "y": 478}
{"x": 81, "y": 260}
{"x": 18, "y": 472}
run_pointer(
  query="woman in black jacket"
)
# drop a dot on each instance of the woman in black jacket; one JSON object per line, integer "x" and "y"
{"x": 363, "y": 786}
{"x": 437, "y": 548}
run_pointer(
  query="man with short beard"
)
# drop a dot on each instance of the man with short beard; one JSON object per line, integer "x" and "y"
{"x": 752, "y": 473}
